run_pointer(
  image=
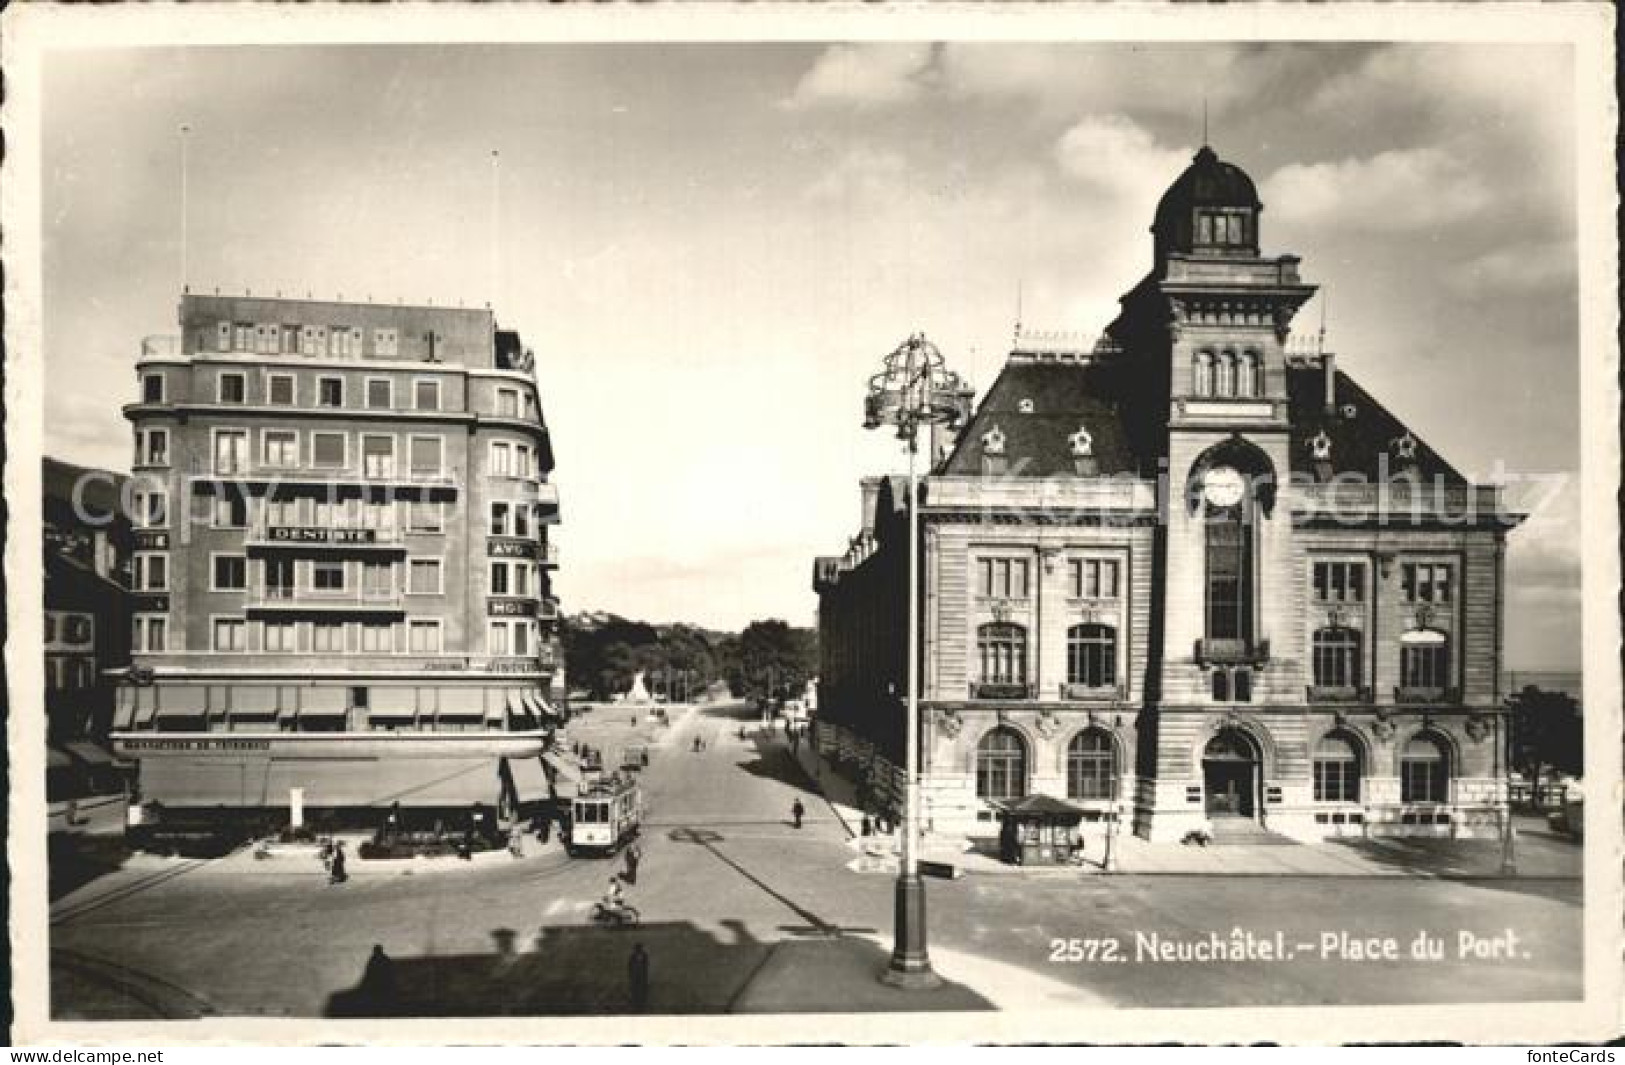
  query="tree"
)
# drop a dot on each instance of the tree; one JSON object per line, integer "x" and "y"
{"x": 1547, "y": 732}
{"x": 774, "y": 660}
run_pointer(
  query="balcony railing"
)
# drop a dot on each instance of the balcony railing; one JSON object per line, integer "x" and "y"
{"x": 276, "y": 597}
{"x": 1419, "y": 694}
{"x": 1232, "y": 652}
{"x": 1090, "y": 692}
{"x": 1002, "y": 690}
{"x": 548, "y": 554}
{"x": 547, "y": 609}
{"x": 1335, "y": 693}
{"x": 205, "y": 468}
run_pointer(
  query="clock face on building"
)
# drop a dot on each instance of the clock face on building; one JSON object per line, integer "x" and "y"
{"x": 1223, "y": 486}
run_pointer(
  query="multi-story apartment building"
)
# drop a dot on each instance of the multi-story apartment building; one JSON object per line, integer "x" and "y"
{"x": 86, "y": 571}
{"x": 342, "y": 568}
{"x": 1191, "y": 574}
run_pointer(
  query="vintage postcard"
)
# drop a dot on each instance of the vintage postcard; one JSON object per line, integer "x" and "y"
{"x": 752, "y": 524}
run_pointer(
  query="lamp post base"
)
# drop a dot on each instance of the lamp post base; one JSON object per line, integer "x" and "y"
{"x": 910, "y": 966}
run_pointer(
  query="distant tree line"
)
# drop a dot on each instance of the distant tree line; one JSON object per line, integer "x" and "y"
{"x": 1548, "y": 732}
{"x": 769, "y": 658}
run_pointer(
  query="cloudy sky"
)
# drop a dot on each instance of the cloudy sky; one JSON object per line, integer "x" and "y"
{"x": 710, "y": 247}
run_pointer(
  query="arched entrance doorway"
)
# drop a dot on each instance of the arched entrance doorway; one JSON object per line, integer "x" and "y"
{"x": 1231, "y": 774}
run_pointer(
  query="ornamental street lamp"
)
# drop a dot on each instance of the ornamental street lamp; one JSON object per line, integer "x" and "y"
{"x": 915, "y": 388}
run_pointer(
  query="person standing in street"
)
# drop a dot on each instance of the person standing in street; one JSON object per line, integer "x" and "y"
{"x": 336, "y": 873}
{"x": 516, "y": 840}
{"x": 633, "y": 857}
{"x": 637, "y": 975}
{"x": 798, "y": 811}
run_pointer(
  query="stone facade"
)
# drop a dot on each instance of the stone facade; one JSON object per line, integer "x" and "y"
{"x": 1191, "y": 577}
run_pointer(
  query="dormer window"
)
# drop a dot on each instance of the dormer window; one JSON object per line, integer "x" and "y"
{"x": 1222, "y": 227}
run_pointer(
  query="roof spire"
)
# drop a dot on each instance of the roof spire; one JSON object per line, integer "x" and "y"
{"x": 1015, "y": 340}
{"x": 1204, "y": 121}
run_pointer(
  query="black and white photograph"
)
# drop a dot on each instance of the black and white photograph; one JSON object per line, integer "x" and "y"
{"x": 789, "y": 524}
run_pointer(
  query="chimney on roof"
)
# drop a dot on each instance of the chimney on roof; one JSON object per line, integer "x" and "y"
{"x": 871, "y": 503}
{"x": 1328, "y": 365}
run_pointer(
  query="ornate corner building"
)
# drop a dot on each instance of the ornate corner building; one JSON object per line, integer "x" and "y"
{"x": 1190, "y": 575}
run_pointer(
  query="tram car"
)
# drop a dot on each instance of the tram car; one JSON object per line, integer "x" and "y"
{"x": 604, "y": 816}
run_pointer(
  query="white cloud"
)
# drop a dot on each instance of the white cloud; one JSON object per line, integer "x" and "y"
{"x": 1392, "y": 191}
{"x": 1113, "y": 156}
{"x": 1517, "y": 269}
{"x": 863, "y": 174}
{"x": 864, "y": 75}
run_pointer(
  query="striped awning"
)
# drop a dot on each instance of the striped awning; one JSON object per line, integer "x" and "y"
{"x": 124, "y": 704}
{"x": 323, "y": 702}
{"x": 537, "y": 706}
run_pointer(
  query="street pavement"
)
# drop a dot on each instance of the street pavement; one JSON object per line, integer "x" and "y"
{"x": 742, "y": 911}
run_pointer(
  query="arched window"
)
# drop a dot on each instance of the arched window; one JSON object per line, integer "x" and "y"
{"x": 1424, "y": 660}
{"x": 1247, "y": 374}
{"x": 1001, "y": 765}
{"x": 1204, "y": 373}
{"x": 1424, "y": 771}
{"x": 1091, "y": 766}
{"x": 1337, "y": 769}
{"x": 1091, "y": 655}
{"x": 1002, "y": 648}
{"x": 1337, "y": 657}
{"x": 1225, "y": 375}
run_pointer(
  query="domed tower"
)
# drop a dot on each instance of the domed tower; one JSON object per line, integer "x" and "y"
{"x": 1211, "y": 210}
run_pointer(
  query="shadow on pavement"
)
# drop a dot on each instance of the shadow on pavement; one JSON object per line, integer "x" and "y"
{"x": 1547, "y": 868}
{"x": 576, "y": 970}
{"x": 77, "y": 859}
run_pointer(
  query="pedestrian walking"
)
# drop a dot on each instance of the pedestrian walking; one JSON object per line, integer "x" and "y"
{"x": 335, "y": 872}
{"x": 516, "y": 841}
{"x": 637, "y": 976}
{"x": 867, "y": 824}
{"x": 798, "y": 811}
{"x": 544, "y": 829}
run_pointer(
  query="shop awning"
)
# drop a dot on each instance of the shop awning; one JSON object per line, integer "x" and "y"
{"x": 462, "y": 702}
{"x": 563, "y": 766}
{"x": 90, "y": 753}
{"x": 183, "y": 700}
{"x": 256, "y": 701}
{"x": 124, "y": 705}
{"x": 529, "y": 779}
{"x": 538, "y": 706}
{"x": 323, "y": 702}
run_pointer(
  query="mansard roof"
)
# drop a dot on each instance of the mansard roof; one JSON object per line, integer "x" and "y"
{"x": 1065, "y": 396}
{"x": 1359, "y": 429}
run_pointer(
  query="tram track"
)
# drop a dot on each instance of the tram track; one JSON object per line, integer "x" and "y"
{"x": 164, "y": 999}
{"x": 162, "y": 876}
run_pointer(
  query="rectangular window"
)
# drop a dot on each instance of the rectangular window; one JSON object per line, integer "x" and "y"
{"x": 378, "y": 639}
{"x": 1093, "y": 578}
{"x": 426, "y": 395}
{"x": 423, "y": 516}
{"x": 501, "y": 459}
{"x": 521, "y": 578}
{"x": 231, "y": 451}
{"x": 424, "y": 576}
{"x": 378, "y": 456}
{"x": 1339, "y": 582}
{"x": 151, "y": 633}
{"x": 242, "y": 336}
{"x": 152, "y": 388}
{"x": 521, "y": 638}
{"x": 230, "y": 511}
{"x": 384, "y": 343}
{"x": 230, "y": 573}
{"x": 327, "y": 449}
{"x": 280, "y": 448}
{"x": 1003, "y": 578}
{"x": 380, "y": 393}
{"x": 426, "y": 456}
{"x": 230, "y": 634}
{"x": 279, "y": 389}
{"x": 521, "y": 520}
{"x": 152, "y": 447}
{"x": 232, "y": 388}
{"x": 508, "y": 402}
{"x": 1337, "y": 780}
{"x": 377, "y": 579}
{"x": 280, "y": 636}
{"x": 290, "y": 340}
{"x": 265, "y": 339}
{"x": 499, "y": 519}
{"x": 151, "y": 509}
{"x": 327, "y": 636}
{"x": 222, "y": 336}
{"x": 152, "y": 572}
{"x": 521, "y": 461}
{"x": 499, "y": 578}
{"x": 1426, "y": 582}
{"x": 327, "y": 576}
{"x": 425, "y": 637}
{"x": 497, "y": 639}
{"x": 1227, "y": 602}
{"x": 330, "y": 391}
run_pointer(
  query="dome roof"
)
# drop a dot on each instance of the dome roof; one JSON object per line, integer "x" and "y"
{"x": 1208, "y": 182}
